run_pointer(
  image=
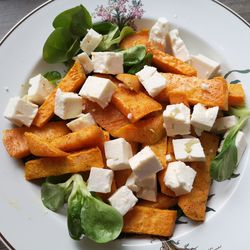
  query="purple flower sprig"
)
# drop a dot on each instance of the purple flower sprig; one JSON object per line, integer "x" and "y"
{"x": 120, "y": 12}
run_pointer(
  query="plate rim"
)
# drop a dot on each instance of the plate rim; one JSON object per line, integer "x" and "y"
{"x": 3, "y": 239}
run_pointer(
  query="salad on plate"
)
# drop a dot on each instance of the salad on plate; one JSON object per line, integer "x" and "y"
{"x": 131, "y": 137}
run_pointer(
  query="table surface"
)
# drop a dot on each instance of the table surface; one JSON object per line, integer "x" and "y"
{"x": 12, "y": 11}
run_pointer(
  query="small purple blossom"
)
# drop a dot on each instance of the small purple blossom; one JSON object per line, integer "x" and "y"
{"x": 120, "y": 12}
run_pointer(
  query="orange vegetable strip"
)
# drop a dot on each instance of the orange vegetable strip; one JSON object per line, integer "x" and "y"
{"x": 74, "y": 163}
{"x": 147, "y": 220}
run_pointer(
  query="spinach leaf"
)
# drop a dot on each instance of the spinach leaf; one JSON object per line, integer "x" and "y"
{"x": 104, "y": 27}
{"x": 86, "y": 214}
{"x": 55, "y": 195}
{"x": 136, "y": 58}
{"x": 113, "y": 37}
{"x": 134, "y": 55}
{"x": 75, "y": 203}
{"x": 77, "y": 20}
{"x": 52, "y": 196}
{"x": 147, "y": 60}
{"x": 100, "y": 222}
{"x": 240, "y": 112}
{"x": 60, "y": 46}
{"x": 53, "y": 76}
{"x": 225, "y": 163}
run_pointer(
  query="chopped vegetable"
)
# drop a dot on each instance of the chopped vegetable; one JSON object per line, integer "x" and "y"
{"x": 236, "y": 95}
{"x": 169, "y": 63}
{"x": 147, "y": 220}
{"x": 73, "y": 163}
{"x": 40, "y": 147}
{"x": 148, "y": 131}
{"x": 16, "y": 143}
{"x": 134, "y": 103}
{"x": 90, "y": 136}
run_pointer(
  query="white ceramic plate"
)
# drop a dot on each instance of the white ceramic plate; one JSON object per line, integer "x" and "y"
{"x": 208, "y": 28}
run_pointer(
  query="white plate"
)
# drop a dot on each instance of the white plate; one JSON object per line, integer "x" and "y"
{"x": 207, "y": 28}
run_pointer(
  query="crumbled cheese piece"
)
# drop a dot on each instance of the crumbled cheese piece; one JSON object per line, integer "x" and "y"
{"x": 84, "y": 120}
{"x": 20, "y": 112}
{"x": 188, "y": 149}
{"x": 152, "y": 80}
{"x": 90, "y": 41}
{"x": 100, "y": 180}
{"x": 204, "y": 118}
{"x": 130, "y": 116}
{"x": 118, "y": 152}
{"x": 222, "y": 124}
{"x": 108, "y": 62}
{"x": 123, "y": 200}
{"x": 179, "y": 178}
{"x": 178, "y": 46}
{"x": 85, "y": 62}
{"x": 158, "y": 32}
{"x": 39, "y": 89}
{"x": 99, "y": 90}
{"x": 169, "y": 157}
{"x": 206, "y": 67}
{"x": 145, "y": 163}
{"x": 177, "y": 119}
{"x": 205, "y": 86}
{"x": 68, "y": 105}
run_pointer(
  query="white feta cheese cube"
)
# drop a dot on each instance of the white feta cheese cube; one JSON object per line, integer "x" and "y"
{"x": 188, "y": 149}
{"x": 179, "y": 48}
{"x": 146, "y": 73}
{"x": 158, "y": 32}
{"x": 100, "y": 180}
{"x": 240, "y": 143}
{"x": 206, "y": 67}
{"x": 99, "y": 90}
{"x": 152, "y": 80}
{"x": 85, "y": 62}
{"x": 148, "y": 188}
{"x": 108, "y": 62}
{"x": 177, "y": 119}
{"x": 39, "y": 90}
{"x": 90, "y": 42}
{"x": 179, "y": 178}
{"x": 83, "y": 121}
{"x": 131, "y": 183}
{"x": 149, "y": 194}
{"x": 68, "y": 105}
{"x": 204, "y": 118}
{"x": 123, "y": 200}
{"x": 20, "y": 112}
{"x": 222, "y": 124}
{"x": 155, "y": 84}
{"x": 145, "y": 163}
{"x": 135, "y": 183}
{"x": 117, "y": 153}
